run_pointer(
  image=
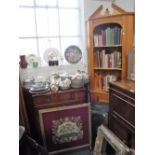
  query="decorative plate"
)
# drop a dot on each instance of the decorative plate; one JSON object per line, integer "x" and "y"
{"x": 73, "y": 54}
{"x": 33, "y": 61}
{"x": 51, "y": 54}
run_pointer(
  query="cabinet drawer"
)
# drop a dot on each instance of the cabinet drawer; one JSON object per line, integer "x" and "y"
{"x": 67, "y": 96}
{"x": 72, "y": 96}
{"x": 80, "y": 95}
{"x": 127, "y": 97}
{"x": 60, "y": 97}
{"x": 118, "y": 127}
{"x": 123, "y": 108}
{"x": 40, "y": 100}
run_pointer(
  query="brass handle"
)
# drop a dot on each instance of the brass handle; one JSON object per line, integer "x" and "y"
{"x": 72, "y": 95}
{"x": 48, "y": 98}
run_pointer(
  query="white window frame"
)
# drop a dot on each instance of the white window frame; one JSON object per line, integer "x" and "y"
{"x": 82, "y": 30}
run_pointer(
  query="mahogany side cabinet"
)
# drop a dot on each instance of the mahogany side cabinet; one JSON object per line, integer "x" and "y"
{"x": 60, "y": 121}
{"x": 122, "y": 111}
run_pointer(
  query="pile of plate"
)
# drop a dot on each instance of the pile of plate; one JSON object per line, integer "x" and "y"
{"x": 40, "y": 88}
{"x": 27, "y": 83}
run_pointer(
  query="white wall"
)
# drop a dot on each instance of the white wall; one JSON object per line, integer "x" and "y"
{"x": 91, "y": 5}
{"x": 128, "y": 5}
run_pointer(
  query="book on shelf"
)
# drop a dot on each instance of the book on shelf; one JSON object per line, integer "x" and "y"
{"x": 102, "y": 81}
{"x": 113, "y": 36}
{"x": 111, "y": 64}
{"x": 100, "y": 40}
{"x": 103, "y": 38}
{"x": 105, "y": 81}
{"x": 117, "y": 35}
{"x": 95, "y": 60}
{"x": 110, "y": 36}
{"x": 102, "y": 57}
{"x": 117, "y": 59}
{"x": 107, "y": 37}
{"x": 98, "y": 58}
{"x": 107, "y": 60}
{"x": 96, "y": 39}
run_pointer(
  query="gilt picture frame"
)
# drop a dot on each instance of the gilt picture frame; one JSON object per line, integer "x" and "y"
{"x": 65, "y": 128}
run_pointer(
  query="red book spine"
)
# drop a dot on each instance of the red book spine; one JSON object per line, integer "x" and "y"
{"x": 110, "y": 61}
{"x": 103, "y": 58}
{"x": 103, "y": 38}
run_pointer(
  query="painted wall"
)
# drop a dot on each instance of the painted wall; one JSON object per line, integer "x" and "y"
{"x": 91, "y": 5}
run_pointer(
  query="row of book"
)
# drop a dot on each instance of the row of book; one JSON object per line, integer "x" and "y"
{"x": 103, "y": 81}
{"x": 103, "y": 59}
{"x": 107, "y": 37}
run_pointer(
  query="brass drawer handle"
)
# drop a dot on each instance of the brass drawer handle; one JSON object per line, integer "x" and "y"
{"x": 37, "y": 101}
{"x": 47, "y": 98}
{"x": 72, "y": 95}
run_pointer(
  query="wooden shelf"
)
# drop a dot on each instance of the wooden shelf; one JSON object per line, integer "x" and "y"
{"x": 99, "y": 68}
{"x": 107, "y": 46}
{"x": 100, "y": 91}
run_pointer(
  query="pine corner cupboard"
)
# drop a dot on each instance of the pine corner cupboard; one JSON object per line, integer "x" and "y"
{"x": 110, "y": 37}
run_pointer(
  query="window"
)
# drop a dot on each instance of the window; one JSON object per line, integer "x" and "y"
{"x": 51, "y": 24}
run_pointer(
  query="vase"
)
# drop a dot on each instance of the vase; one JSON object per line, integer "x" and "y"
{"x": 23, "y": 63}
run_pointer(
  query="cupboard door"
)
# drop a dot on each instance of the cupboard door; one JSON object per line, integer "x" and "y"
{"x": 121, "y": 130}
{"x": 123, "y": 108}
{"x": 117, "y": 127}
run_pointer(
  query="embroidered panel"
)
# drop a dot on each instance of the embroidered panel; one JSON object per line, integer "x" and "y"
{"x": 64, "y": 128}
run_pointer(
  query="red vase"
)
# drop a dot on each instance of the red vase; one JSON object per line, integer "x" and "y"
{"x": 23, "y": 63}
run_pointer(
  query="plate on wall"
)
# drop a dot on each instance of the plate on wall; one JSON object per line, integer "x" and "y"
{"x": 73, "y": 54}
{"x": 51, "y": 54}
{"x": 33, "y": 61}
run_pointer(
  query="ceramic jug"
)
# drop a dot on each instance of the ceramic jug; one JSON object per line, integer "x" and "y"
{"x": 23, "y": 63}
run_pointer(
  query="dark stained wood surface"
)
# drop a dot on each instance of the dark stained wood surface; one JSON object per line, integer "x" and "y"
{"x": 127, "y": 85}
{"x": 122, "y": 111}
{"x": 50, "y": 100}
{"x": 23, "y": 116}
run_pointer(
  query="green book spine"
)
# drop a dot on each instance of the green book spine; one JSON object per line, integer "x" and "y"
{"x": 115, "y": 59}
{"x": 108, "y": 36}
{"x": 110, "y": 31}
{"x": 118, "y": 59}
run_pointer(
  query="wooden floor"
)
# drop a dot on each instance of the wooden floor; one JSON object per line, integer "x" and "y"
{"x": 77, "y": 152}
